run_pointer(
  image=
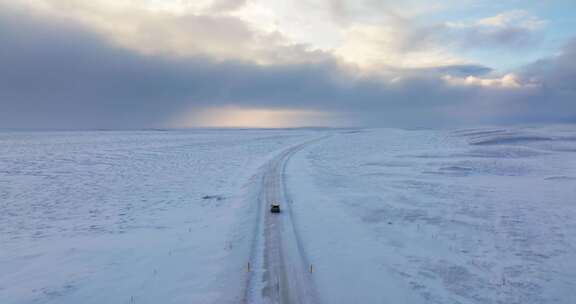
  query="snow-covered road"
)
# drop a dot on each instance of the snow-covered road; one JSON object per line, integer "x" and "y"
{"x": 281, "y": 271}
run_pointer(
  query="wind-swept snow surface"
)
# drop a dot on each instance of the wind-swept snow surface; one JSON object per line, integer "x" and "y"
{"x": 470, "y": 216}
{"x": 383, "y": 216}
{"x": 130, "y": 217}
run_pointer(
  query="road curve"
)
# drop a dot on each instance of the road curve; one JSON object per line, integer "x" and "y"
{"x": 280, "y": 271}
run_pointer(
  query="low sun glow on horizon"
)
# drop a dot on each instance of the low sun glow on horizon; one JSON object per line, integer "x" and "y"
{"x": 235, "y": 117}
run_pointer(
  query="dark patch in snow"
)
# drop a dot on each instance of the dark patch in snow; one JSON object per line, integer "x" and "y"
{"x": 456, "y": 169}
{"x": 564, "y": 178}
{"x": 353, "y": 132}
{"x": 55, "y": 292}
{"x": 448, "y": 172}
{"x": 511, "y": 140}
{"x": 395, "y": 164}
{"x": 478, "y": 132}
{"x": 213, "y": 197}
{"x": 503, "y": 152}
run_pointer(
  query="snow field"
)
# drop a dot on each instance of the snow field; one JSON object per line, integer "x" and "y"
{"x": 468, "y": 216}
{"x": 129, "y": 217}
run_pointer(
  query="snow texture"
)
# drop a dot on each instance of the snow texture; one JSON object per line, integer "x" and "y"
{"x": 472, "y": 216}
{"x": 129, "y": 217}
{"x": 467, "y": 216}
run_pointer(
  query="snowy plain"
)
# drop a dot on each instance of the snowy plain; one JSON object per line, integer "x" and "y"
{"x": 129, "y": 217}
{"x": 469, "y": 216}
{"x": 385, "y": 215}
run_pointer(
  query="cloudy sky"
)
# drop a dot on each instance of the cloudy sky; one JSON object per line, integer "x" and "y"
{"x": 82, "y": 64}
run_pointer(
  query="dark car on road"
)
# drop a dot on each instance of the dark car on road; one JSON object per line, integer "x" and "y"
{"x": 275, "y": 208}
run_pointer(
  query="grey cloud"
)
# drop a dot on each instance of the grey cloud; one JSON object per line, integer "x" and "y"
{"x": 483, "y": 36}
{"x": 549, "y": 95}
{"x": 458, "y": 70}
{"x": 514, "y": 34}
{"x": 509, "y": 30}
{"x": 554, "y": 97}
{"x": 556, "y": 73}
{"x": 221, "y": 6}
{"x": 471, "y": 37}
{"x": 339, "y": 11}
{"x": 57, "y": 75}
{"x": 209, "y": 32}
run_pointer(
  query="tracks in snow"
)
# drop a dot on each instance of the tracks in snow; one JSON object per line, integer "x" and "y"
{"x": 280, "y": 269}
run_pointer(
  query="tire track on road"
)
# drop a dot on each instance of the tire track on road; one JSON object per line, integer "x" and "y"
{"x": 281, "y": 268}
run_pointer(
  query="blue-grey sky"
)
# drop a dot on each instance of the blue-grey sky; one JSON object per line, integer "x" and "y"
{"x": 78, "y": 64}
